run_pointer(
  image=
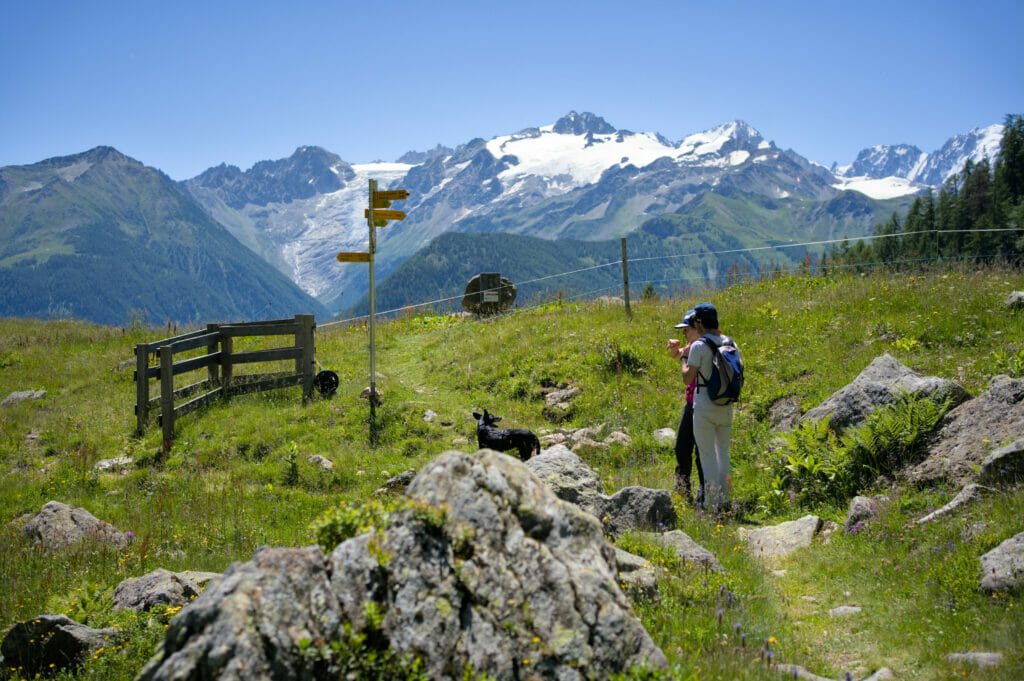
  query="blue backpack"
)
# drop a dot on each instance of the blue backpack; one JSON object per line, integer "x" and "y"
{"x": 726, "y": 379}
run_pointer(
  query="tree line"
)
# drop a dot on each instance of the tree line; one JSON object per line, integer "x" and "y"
{"x": 959, "y": 222}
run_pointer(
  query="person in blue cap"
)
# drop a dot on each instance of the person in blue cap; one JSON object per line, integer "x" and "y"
{"x": 685, "y": 444}
{"x": 712, "y": 423}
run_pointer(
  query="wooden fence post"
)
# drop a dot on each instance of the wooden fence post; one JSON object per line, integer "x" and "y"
{"x": 625, "y": 277}
{"x": 167, "y": 395}
{"x": 213, "y": 371}
{"x": 141, "y": 388}
{"x": 304, "y": 336}
{"x": 226, "y": 343}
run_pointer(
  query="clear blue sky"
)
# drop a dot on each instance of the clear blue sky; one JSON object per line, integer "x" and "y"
{"x": 185, "y": 85}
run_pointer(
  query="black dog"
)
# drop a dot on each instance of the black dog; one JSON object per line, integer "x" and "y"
{"x": 504, "y": 439}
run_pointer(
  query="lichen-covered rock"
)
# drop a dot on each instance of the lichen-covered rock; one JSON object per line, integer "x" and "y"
{"x": 780, "y": 540}
{"x": 160, "y": 587}
{"x": 880, "y": 383}
{"x": 967, "y": 433}
{"x": 50, "y": 643}
{"x": 565, "y": 474}
{"x": 1002, "y": 568}
{"x": 58, "y": 526}
{"x": 686, "y": 549}
{"x": 509, "y": 579}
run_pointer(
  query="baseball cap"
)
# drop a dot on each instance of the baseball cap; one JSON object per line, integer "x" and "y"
{"x": 707, "y": 314}
{"x": 688, "y": 319}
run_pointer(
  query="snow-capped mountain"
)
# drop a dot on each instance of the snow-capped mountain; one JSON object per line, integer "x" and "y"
{"x": 578, "y": 178}
{"x": 910, "y": 163}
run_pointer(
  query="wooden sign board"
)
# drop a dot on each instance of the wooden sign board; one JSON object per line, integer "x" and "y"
{"x": 391, "y": 195}
{"x": 385, "y": 214}
{"x": 353, "y": 257}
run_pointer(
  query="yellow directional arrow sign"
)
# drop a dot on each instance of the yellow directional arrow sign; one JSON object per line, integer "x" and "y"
{"x": 391, "y": 195}
{"x": 353, "y": 257}
{"x": 384, "y": 214}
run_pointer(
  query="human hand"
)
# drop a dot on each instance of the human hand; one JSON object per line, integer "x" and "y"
{"x": 673, "y": 348}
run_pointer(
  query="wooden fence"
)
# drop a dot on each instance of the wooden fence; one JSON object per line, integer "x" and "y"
{"x": 219, "y": 361}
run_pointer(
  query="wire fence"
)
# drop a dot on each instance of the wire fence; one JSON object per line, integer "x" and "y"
{"x": 704, "y": 280}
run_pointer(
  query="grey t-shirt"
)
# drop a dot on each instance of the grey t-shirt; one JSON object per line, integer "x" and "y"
{"x": 700, "y": 357}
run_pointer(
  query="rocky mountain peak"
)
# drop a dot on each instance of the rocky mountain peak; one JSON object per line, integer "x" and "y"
{"x": 582, "y": 123}
{"x": 310, "y": 170}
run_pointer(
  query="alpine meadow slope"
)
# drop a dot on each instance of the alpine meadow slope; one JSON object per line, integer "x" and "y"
{"x": 99, "y": 236}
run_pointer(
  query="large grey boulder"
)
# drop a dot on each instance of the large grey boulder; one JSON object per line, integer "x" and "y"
{"x": 1002, "y": 568}
{"x": 160, "y": 587}
{"x": 780, "y": 540}
{"x": 638, "y": 508}
{"x": 19, "y": 396}
{"x": 51, "y": 643}
{"x": 631, "y": 508}
{"x": 58, "y": 526}
{"x": 638, "y": 577}
{"x": 1004, "y": 466}
{"x": 510, "y": 580}
{"x": 960, "y": 446}
{"x": 862, "y": 510}
{"x": 568, "y": 477}
{"x": 686, "y": 549}
{"x": 880, "y": 383}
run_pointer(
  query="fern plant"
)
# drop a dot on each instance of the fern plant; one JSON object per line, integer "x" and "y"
{"x": 892, "y": 437}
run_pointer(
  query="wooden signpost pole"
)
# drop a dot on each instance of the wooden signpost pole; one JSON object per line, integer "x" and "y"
{"x": 373, "y": 317}
{"x": 376, "y": 215}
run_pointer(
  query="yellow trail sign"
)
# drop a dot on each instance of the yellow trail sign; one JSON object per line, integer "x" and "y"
{"x": 391, "y": 195}
{"x": 353, "y": 257}
{"x": 385, "y": 214}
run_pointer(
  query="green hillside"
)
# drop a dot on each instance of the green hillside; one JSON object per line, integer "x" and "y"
{"x": 238, "y": 475}
{"x": 672, "y": 252}
{"x": 99, "y": 236}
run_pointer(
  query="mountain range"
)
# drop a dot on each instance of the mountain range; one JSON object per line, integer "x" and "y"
{"x": 571, "y": 188}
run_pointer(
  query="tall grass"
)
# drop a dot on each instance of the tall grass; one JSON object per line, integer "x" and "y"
{"x": 238, "y": 475}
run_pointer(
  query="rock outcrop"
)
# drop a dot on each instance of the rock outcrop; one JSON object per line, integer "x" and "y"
{"x": 160, "y": 587}
{"x": 510, "y": 580}
{"x": 1002, "y": 568}
{"x": 58, "y": 526}
{"x": 49, "y": 643}
{"x": 880, "y": 383}
{"x": 969, "y": 431}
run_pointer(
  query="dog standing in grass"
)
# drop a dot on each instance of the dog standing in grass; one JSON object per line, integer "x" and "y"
{"x": 504, "y": 439}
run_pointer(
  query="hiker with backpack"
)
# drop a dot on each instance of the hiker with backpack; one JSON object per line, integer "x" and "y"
{"x": 714, "y": 361}
{"x": 685, "y": 447}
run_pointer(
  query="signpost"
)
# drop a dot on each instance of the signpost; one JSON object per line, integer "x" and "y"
{"x": 377, "y": 215}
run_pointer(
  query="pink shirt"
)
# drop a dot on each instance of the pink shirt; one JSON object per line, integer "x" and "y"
{"x": 690, "y": 389}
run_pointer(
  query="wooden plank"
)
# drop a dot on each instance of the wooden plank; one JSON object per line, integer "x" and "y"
{"x": 269, "y": 329}
{"x": 391, "y": 195}
{"x": 187, "y": 365}
{"x": 381, "y": 214}
{"x": 189, "y": 390}
{"x": 264, "y": 384}
{"x": 156, "y": 345}
{"x": 353, "y": 257}
{"x": 193, "y": 343}
{"x": 201, "y": 401}
{"x": 271, "y": 355}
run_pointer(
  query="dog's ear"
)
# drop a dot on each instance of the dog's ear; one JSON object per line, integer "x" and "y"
{"x": 477, "y": 416}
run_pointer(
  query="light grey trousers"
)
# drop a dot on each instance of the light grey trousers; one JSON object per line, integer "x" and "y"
{"x": 712, "y": 425}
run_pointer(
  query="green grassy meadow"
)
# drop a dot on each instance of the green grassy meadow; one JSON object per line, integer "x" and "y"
{"x": 237, "y": 476}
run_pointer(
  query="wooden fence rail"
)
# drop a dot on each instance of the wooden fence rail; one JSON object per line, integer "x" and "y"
{"x": 219, "y": 361}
